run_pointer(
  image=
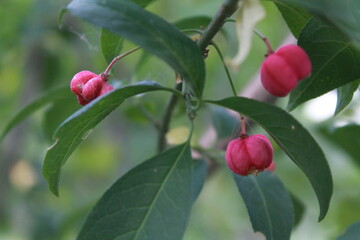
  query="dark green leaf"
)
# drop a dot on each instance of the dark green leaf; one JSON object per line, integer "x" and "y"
{"x": 193, "y": 22}
{"x": 268, "y": 203}
{"x": 344, "y": 15}
{"x": 352, "y": 233}
{"x": 293, "y": 139}
{"x": 295, "y": 17}
{"x": 298, "y": 209}
{"x": 335, "y": 62}
{"x": 225, "y": 123}
{"x": 36, "y": 104}
{"x": 151, "y": 201}
{"x": 61, "y": 15}
{"x": 111, "y": 44}
{"x": 345, "y": 95}
{"x": 198, "y": 177}
{"x": 149, "y": 31}
{"x": 79, "y": 125}
{"x": 348, "y": 138}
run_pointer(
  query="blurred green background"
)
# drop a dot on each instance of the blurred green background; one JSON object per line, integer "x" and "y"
{"x": 37, "y": 55}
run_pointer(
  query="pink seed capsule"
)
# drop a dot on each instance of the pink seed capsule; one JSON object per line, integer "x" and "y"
{"x": 106, "y": 88}
{"x": 92, "y": 88}
{"x": 297, "y": 59}
{"x": 282, "y": 69}
{"x": 249, "y": 154}
{"x": 82, "y": 100}
{"x": 78, "y": 81}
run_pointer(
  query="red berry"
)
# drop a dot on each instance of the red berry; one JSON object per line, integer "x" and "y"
{"x": 92, "y": 88}
{"x": 82, "y": 100}
{"x": 78, "y": 81}
{"x": 277, "y": 76}
{"x": 106, "y": 88}
{"x": 281, "y": 70}
{"x": 249, "y": 154}
{"x": 297, "y": 59}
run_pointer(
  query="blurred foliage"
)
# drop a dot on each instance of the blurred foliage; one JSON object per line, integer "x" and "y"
{"x": 36, "y": 55}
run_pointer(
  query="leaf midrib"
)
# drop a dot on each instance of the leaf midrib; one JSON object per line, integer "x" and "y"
{"x": 148, "y": 212}
{"x": 317, "y": 74}
{"x": 266, "y": 206}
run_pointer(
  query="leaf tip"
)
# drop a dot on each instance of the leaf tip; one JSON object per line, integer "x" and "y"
{"x": 62, "y": 12}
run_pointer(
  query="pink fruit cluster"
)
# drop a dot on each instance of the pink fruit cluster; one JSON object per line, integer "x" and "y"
{"x": 281, "y": 70}
{"x": 87, "y": 86}
{"x": 249, "y": 154}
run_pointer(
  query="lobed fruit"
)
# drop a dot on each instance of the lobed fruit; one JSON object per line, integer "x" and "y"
{"x": 78, "y": 81}
{"x": 92, "y": 88}
{"x": 87, "y": 86}
{"x": 281, "y": 70}
{"x": 106, "y": 88}
{"x": 249, "y": 154}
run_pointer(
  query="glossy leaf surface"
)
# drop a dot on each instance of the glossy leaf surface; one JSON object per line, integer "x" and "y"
{"x": 78, "y": 126}
{"x": 268, "y": 203}
{"x": 150, "y": 32}
{"x": 151, "y": 201}
{"x": 293, "y": 139}
{"x": 335, "y": 62}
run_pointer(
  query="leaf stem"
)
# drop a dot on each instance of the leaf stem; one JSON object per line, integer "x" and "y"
{"x": 166, "y": 119}
{"x": 225, "y": 11}
{"x": 106, "y": 73}
{"x": 225, "y": 67}
{"x": 267, "y": 42}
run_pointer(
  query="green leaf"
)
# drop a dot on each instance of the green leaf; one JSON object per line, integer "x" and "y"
{"x": 295, "y": 17}
{"x": 344, "y": 15}
{"x": 198, "y": 178}
{"x": 151, "y": 201}
{"x": 298, "y": 209}
{"x": 335, "y": 62}
{"x": 293, "y": 139}
{"x": 268, "y": 203}
{"x": 348, "y": 138}
{"x": 111, "y": 44}
{"x": 195, "y": 22}
{"x": 149, "y": 31}
{"x": 79, "y": 125}
{"x": 47, "y": 97}
{"x": 352, "y": 233}
{"x": 345, "y": 95}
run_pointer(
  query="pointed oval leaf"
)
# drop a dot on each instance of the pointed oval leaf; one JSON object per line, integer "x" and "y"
{"x": 298, "y": 209}
{"x": 78, "y": 126}
{"x": 268, "y": 203}
{"x": 150, "y": 32}
{"x": 344, "y": 15}
{"x": 46, "y": 98}
{"x": 335, "y": 62}
{"x": 200, "y": 168}
{"x": 295, "y": 17}
{"x": 293, "y": 139}
{"x": 111, "y": 44}
{"x": 345, "y": 95}
{"x": 352, "y": 233}
{"x": 347, "y": 138}
{"x": 151, "y": 201}
{"x": 195, "y": 22}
